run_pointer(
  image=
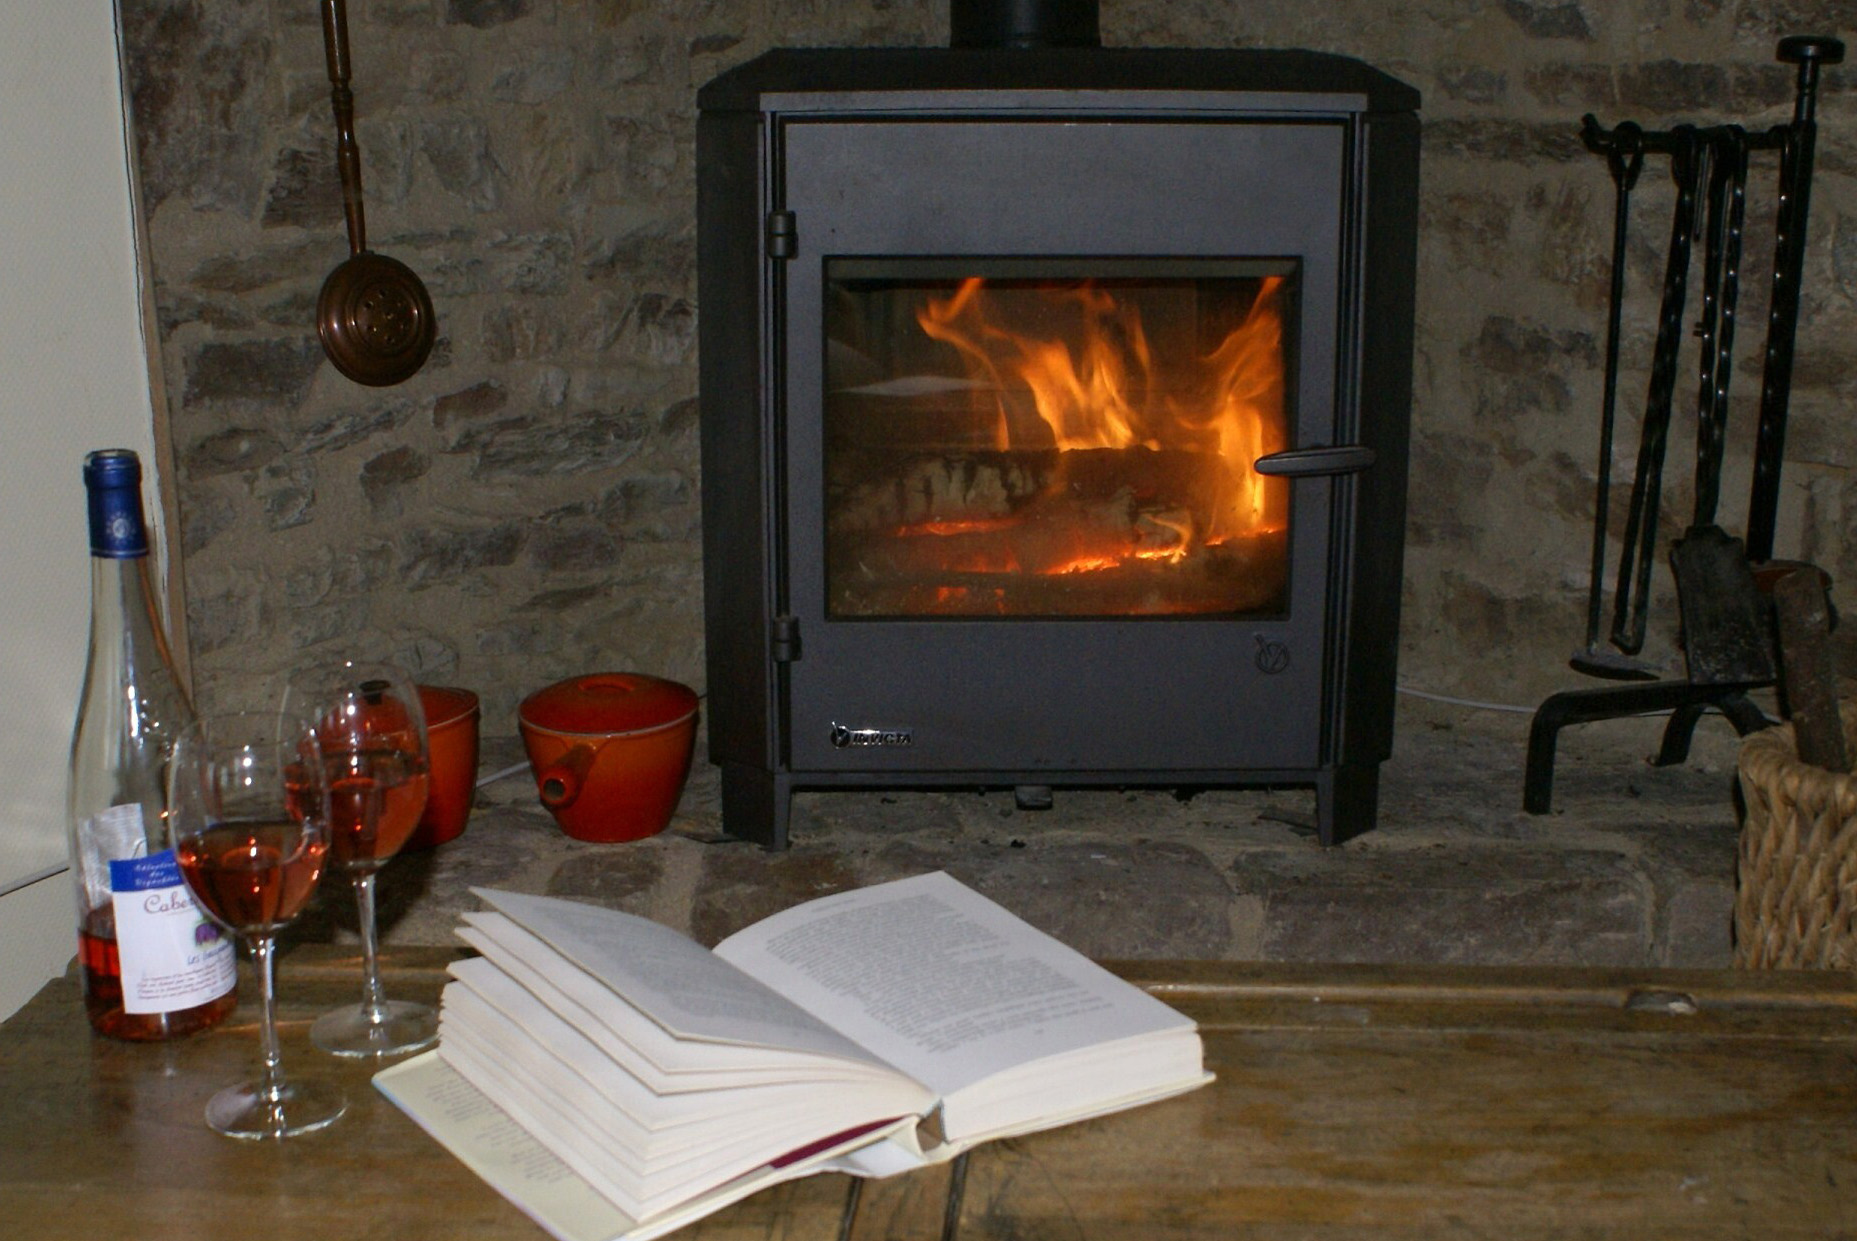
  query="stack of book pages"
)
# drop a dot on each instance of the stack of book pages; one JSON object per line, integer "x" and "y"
{"x": 615, "y": 1079}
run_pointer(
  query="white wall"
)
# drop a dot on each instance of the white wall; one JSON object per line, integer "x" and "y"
{"x": 73, "y": 376}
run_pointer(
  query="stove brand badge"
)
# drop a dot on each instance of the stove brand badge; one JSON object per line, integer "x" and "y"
{"x": 1272, "y": 657}
{"x": 845, "y": 737}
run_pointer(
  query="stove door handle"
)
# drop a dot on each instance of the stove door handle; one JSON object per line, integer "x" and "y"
{"x": 1316, "y": 462}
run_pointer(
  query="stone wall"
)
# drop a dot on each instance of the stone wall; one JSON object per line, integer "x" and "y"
{"x": 527, "y": 506}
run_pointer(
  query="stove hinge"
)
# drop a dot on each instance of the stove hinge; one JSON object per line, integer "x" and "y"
{"x": 786, "y": 635}
{"x": 783, "y": 235}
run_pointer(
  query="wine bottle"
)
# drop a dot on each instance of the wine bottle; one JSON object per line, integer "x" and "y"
{"x": 154, "y": 967}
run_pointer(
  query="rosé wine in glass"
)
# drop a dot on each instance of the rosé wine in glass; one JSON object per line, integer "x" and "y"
{"x": 249, "y": 825}
{"x": 372, "y": 728}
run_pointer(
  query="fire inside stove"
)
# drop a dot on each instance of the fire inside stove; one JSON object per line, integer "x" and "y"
{"x": 1014, "y": 439}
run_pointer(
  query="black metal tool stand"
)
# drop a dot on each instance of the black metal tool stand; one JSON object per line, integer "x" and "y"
{"x": 1714, "y": 573}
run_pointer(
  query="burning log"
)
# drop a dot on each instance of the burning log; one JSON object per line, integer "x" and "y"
{"x": 1091, "y": 531}
{"x": 1095, "y": 485}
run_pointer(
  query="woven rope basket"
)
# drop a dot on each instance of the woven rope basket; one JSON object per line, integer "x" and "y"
{"x": 1796, "y": 880}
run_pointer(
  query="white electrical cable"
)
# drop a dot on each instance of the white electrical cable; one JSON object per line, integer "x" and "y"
{"x": 494, "y": 776}
{"x": 1475, "y": 705}
{"x": 1472, "y": 703}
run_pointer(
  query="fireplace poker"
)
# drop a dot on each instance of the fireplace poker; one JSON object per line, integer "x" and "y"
{"x": 1624, "y": 152}
{"x": 1721, "y": 282}
{"x": 1796, "y": 154}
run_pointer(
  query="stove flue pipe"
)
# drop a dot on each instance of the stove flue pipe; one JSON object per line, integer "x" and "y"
{"x": 1024, "y": 23}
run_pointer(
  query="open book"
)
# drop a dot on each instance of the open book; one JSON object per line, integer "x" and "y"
{"x": 614, "y": 1079}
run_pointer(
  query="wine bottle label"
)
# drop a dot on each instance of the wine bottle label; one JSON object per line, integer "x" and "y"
{"x": 173, "y": 956}
{"x": 113, "y": 833}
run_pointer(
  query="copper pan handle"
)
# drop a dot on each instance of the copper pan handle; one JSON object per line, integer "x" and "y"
{"x": 347, "y": 153}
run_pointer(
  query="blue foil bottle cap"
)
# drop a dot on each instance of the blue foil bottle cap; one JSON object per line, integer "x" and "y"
{"x": 113, "y": 481}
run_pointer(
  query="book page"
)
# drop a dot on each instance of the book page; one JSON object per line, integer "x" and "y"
{"x": 664, "y": 1062}
{"x": 941, "y": 982}
{"x": 500, "y": 1151}
{"x": 673, "y": 980}
{"x": 491, "y": 1143}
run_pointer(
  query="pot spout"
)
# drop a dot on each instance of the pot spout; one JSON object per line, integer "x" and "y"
{"x": 561, "y": 781}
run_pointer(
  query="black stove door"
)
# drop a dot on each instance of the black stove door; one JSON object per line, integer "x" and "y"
{"x": 954, "y": 626}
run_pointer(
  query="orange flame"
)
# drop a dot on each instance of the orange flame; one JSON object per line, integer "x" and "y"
{"x": 1099, "y": 386}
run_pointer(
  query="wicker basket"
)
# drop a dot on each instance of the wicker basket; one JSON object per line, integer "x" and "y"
{"x": 1796, "y": 881}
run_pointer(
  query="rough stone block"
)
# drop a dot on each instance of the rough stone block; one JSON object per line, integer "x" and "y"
{"x": 385, "y": 477}
{"x": 286, "y": 491}
{"x": 1553, "y": 907}
{"x": 236, "y": 450}
{"x": 576, "y": 444}
{"x": 615, "y": 878}
{"x": 483, "y": 14}
{"x": 476, "y": 401}
{"x": 305, "y": 190}
{"x": 458, "y": 151}
{"x": 740, "y": 885}
{"x": 431, "y": 554}
{"x": 1096, "y": 896}
{"x": 275, "y": 372}
{"x": 574, "y": 546}
{"x": 1549, "y": 21}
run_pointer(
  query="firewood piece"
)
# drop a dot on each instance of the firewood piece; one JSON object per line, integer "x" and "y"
{"x": 1806, "y": 663}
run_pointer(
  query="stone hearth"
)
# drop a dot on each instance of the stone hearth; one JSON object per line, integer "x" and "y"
{"x": 1634, "y": 867}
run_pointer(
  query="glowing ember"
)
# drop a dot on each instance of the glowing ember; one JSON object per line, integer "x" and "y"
{"x": 970, "y": 526}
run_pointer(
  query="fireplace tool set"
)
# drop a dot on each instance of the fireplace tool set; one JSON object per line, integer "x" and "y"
{"x": 1727, "y": 630}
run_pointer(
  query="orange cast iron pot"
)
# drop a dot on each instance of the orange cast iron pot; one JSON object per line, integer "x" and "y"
{"x": 610, "y": 752}
{"x": 451, "y": 740}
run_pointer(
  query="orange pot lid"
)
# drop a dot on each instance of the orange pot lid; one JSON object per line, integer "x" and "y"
{"x": 606, "y": 703}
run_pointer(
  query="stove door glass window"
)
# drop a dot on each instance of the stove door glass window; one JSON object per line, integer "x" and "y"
{"x": 1025, "y": 438}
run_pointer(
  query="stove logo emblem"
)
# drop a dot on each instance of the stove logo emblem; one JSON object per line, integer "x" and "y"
{"x": 845, "y": 737}
{"x": 1272, "y": 657}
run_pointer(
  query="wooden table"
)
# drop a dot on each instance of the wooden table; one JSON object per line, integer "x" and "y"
{"x": 1351, "y": 1102}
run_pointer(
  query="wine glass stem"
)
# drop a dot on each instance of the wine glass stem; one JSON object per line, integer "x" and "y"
{"x": 271, "y": 1084}
{"x": 373, "y": 1000}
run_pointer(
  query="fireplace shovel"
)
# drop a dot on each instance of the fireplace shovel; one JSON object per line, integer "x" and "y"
{"x": 1727, "y": 633}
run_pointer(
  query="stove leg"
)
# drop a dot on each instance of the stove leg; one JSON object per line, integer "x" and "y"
{"x": 755, "y": 804}
{"x": 1346, "y": 801}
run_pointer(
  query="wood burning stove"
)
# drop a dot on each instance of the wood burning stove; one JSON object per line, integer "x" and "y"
{"x": 1054, "y": 416}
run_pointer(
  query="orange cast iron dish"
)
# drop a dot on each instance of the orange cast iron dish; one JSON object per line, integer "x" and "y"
{"x": 610, "y": 752}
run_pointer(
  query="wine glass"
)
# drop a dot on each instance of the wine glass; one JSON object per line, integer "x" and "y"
{"x": 248, "y": 819}
{"x": 372, "y": 729}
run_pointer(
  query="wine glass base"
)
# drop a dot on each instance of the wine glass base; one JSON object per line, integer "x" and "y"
{"x": 396, "y": 1026}
{"x": 245, "y": 1111}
